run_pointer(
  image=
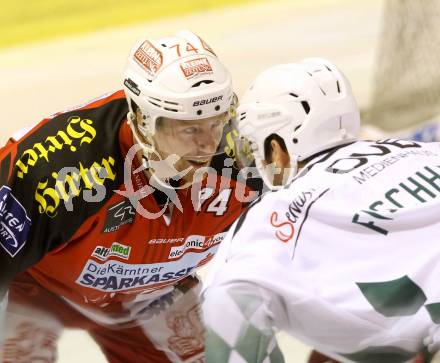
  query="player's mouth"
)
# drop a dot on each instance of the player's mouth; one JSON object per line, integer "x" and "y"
{"x": 199, "y": 162}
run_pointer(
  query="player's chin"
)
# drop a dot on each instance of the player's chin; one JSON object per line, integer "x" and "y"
{"x": 196, "y": 174}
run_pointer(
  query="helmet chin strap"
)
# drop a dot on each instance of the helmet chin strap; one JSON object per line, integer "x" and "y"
{"x": 294, "y": 169}
{"x": 146, "y": 148}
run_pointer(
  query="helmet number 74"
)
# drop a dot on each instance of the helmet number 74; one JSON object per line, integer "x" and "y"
{"x": 189, "y": 48}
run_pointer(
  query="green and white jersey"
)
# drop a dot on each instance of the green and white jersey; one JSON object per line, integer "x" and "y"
{"x": 345, "y": 258}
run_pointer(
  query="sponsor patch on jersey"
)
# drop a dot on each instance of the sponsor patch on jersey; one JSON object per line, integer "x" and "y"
{"x": 196, "y": 242}
{"x": 196, "y": 67}
{"x": 116, "y": 250}
{"x": 156, "y": 241}
{"x": 118, "y": 215}
{"x": 284, "y": 230}
{"x": 149, "y": 57}
{"x": 287, "y": 224}
{"x": 69, "y": 183}
{"x": 14, "y": 222}
{"x": 112, "y": 276}
{"x": 78, "y": 131}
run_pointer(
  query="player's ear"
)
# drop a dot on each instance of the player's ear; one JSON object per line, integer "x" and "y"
{"x": 279, "y": 156}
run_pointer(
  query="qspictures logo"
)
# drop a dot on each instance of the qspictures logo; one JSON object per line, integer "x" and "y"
{"x": 14, "y": 222}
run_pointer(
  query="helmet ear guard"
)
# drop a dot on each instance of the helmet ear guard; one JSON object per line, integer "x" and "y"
{"x": 139, "y": 131}
{"x": 309, "y": 104}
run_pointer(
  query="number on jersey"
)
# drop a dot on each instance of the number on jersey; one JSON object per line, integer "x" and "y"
{"x": 218, "y": 205}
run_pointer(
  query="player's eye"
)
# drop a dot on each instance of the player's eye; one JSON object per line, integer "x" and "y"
{"x": 190, "y": 130}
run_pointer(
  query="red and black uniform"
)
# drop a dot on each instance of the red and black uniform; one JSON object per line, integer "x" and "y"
{"x": 77, "y": 242}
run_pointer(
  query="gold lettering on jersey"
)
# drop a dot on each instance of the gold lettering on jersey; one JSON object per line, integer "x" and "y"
{"x": 230, "y": 143}
{"x": 48, "y": 199}
{"x": 64, "y": 188}
{"x": 230, "y": 149}
{"x": 77, "y": 130}
{"x": 73, "y": 185}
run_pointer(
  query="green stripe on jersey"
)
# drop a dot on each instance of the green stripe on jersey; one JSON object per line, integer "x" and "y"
{"x": 400, "y": 297}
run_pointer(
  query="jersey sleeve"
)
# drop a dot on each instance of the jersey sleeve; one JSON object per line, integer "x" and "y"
{"x": 238, "y": 323}
{"x": 55, "y": 178}
{"x": 18, "y": 217}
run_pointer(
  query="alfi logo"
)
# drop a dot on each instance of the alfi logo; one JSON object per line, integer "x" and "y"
{"x": 207, "y": 101}
{"x": 14, "y": 223}
{"x": 116, "y": 250}
{"x": 284, "y": 230}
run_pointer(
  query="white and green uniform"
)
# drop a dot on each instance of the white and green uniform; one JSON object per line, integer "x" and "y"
{"x": 346, "y": 258}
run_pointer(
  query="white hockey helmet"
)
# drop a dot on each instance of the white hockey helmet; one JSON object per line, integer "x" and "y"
{"x": 309, "y": 104}
{"x": 178, "y": 77}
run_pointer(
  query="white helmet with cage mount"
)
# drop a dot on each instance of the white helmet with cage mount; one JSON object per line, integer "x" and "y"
{"x": 178, "y": 77}
{"x": 309, "y": 105}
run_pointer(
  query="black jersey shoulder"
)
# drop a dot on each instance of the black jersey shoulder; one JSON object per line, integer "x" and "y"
{"x": 62, "y": 162}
